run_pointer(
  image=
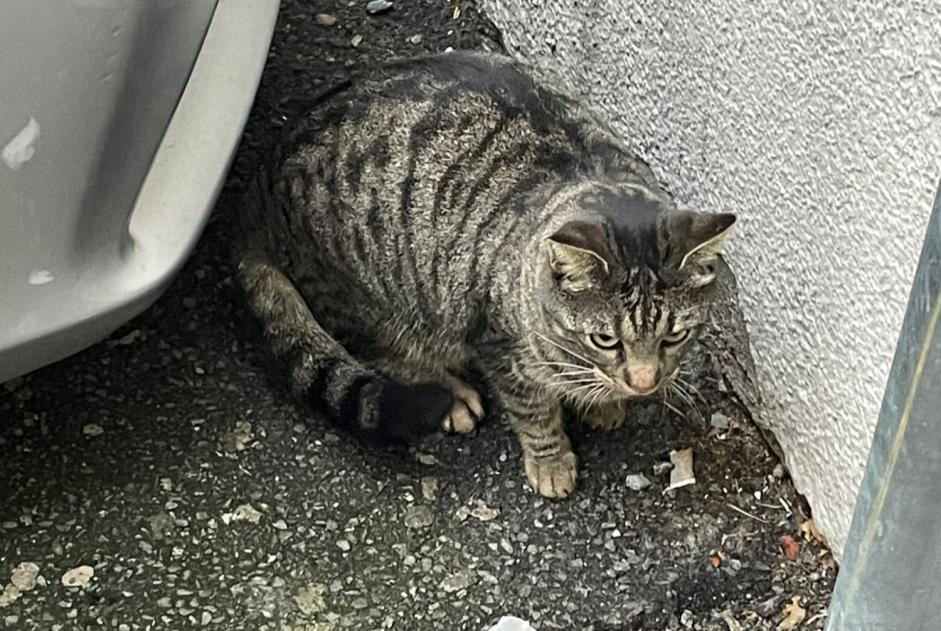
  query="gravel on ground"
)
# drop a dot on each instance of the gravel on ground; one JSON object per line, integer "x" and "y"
{"x": 165, "y": 478}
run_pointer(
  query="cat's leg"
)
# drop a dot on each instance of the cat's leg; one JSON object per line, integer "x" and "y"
{"x": 356, "y": 398}
{"x": 467, "y": 409}
{"x": 548, "y": 460}
{"x": 606, "y": 416}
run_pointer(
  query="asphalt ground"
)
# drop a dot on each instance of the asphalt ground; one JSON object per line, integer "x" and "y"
{"x": 172, "y": 462}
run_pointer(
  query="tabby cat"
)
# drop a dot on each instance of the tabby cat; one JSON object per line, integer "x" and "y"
{"x": 451, "y": 212}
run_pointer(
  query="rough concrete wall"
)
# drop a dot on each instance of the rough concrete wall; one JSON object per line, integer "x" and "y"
{"x": 819, "y": 123}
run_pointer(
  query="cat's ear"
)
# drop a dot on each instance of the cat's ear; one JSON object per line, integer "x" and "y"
{"x": 694, "y": 241}
{"x": 577, "y": 255}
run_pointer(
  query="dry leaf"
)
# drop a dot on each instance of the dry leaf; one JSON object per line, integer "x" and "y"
{"x": 24, "y": 576}
{"x": 79, "y": 576}
{"x": 790, "y": 547}
{"x": 809, "y": 528}
{"x": 794, "y": 615}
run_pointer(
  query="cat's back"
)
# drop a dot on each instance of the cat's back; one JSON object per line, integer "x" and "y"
{"x": 416, "y": 170}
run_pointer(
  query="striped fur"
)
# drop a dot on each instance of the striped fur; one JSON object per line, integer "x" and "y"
{"x": 453, "y": 211}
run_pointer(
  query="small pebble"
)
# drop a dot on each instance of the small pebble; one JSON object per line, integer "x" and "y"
{"x": 661, "y": 467}
{"x": 719, "y": 421}
{"x": 429, "y": 488}
{"x": 356, "y": 41}
{"x": 93, "y": 429}
{"x": 458, "y": 581}
{"x": 326, "y": 19}
{"x": 344, "y": 545}
{"x": 418, "y": 517}
{"x": 415, "y": 39}
{"x": 637, "y": 482}
{"x": 378, "y": 6}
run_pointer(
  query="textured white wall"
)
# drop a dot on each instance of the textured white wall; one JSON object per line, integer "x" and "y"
{"x": 819, "y": 123}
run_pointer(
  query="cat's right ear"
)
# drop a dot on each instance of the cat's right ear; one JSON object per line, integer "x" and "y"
{"x": 576, "y": 256}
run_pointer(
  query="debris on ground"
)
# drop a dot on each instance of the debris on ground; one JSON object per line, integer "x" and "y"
{"x": 794, "y": 614}
{"x": 809, "y": 528}
{"x": 458, "y": 581}
{"x": 661, "y": 467}
{"x": 719, "y": 421}
{"x": 637, "y": 481}
{"x": 310, "y": 600}
{"x": 243, "y": 512}
{"x": 326, "y": 19}
{"x": 93, "y": 429}
{"x": 429, "y": 488}
{"x": 511, "y": 623}
{"x": 24, "y": 576}
{"x": 730, "y": 621}
{"x": 482, "y": 512}
{"x": 356, "y": 40}
{"x": 682, "y": 473}
{"x": 418, "y": 517}
{"x": 79, "y": 576}
{"x": 160, "y": 524}
{"x": 9, "y": 595}
{"x": 427, "y": 459}
{"x": 130, "y": 337}
{"x": 374, "y": 7}
{"x": 240, "y": 438}
{"x": 790, "y": 547}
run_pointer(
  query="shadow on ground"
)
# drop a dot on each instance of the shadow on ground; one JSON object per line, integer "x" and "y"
{"x": 170, "y": 460}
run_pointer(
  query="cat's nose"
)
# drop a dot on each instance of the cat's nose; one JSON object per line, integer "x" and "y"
{"x": 642, "y": 375}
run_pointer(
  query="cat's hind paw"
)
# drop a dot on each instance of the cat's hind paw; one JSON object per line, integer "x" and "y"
{"x": 460, "y": 420}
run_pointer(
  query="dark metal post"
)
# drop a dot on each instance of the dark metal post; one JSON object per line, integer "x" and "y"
{"x": 890, "y": 578}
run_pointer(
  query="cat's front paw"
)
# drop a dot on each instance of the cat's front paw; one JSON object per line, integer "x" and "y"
{"x": 605, "y": 417}
{"x": 553, "y": 476}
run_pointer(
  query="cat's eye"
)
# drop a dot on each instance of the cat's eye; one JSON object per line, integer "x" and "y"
{"x": 676, "y": 338}
{"x": 604, "y": 341}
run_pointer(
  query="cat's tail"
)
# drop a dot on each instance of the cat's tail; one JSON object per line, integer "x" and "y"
{"x": 358, "y": 400}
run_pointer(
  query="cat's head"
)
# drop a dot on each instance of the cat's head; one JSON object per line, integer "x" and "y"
{"x": 624, "y": 287}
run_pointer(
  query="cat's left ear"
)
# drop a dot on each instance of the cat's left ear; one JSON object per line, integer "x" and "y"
{"x": 694, "y": 240}
{"x": 578, "y": 255}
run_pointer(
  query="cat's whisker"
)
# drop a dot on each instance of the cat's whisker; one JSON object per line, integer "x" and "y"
{"x": 562, "y": 348}
{"x": 559, "y": 384}
{"x": 682, "y": 395}
{"x": 687, "y": 398}
{"x": 670, "y": 407}
{"x": 562, "y": 365}
{"x": 693, "y": 389}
